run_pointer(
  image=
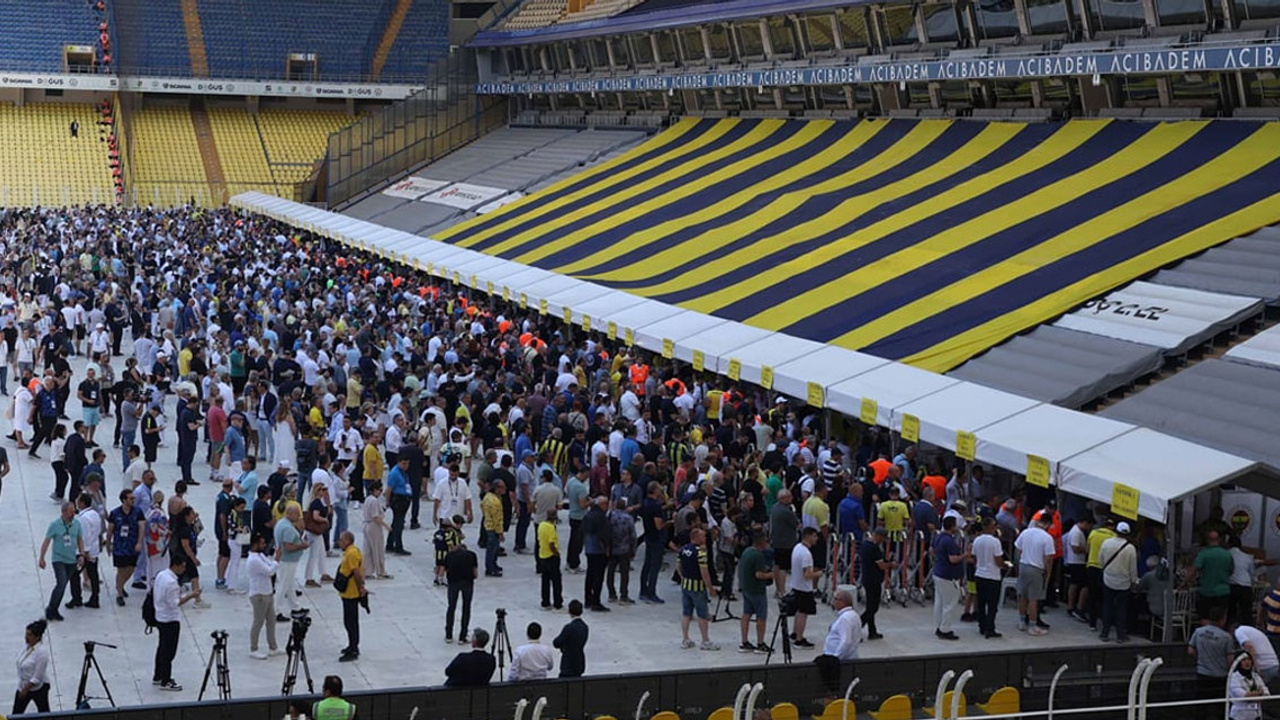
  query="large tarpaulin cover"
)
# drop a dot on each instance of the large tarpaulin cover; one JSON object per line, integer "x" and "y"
{"x": 1261, "y": 349}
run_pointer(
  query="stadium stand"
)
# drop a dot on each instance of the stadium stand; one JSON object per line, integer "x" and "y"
{"x": 240, "y": 149}
{"x": 253, "y": 40}
{"x": 1249, "y": 265}
{"x": 829, "y": 230}
{"x": 154, "y": 39}
{"x": 1207, "y": 402}
{"x": 513, "y": 159}
{"x": 534, "y": 14}
{"x": 167, "y": 167}
{"x": 35, "y": 34}
{"x": 294, "y": 139}
{"x": 601, "y": 9}
{"x": 417, "y": 44}
{"x": 41, "y": 164}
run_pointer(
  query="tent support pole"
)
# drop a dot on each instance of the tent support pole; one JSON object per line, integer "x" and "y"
{"x": 1171, "y": 548}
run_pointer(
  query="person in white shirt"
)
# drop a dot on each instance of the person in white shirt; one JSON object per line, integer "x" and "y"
{"x": 33, "y": 671}
{"x": 845, "y": 634}
{"x": 91, "y": 531}
{"x": 802, "y": 583}
{"x": 1119, "y": 560}
{"x": 451, "y": 496}
{"x": 533, "y": 660}
{"x": 1075, "y": 553}
{"x": 261, "y": 597}
{"x": 168, "y": 599}
{"x": 1246, "y": 683}
{"x": 1036, "y": 552}
{"x": 629, "y": 405}
{"x": 988, "y": 556}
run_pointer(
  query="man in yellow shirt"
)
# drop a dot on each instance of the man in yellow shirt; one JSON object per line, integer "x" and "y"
{"x": 491, "y": 510}
{"x": 1093, "y": 569}
{"x": 353, "y": 594}
{"x": 549, "y": 561}
{"x": 815, "y": 513}
{"x": 894, "y": 516}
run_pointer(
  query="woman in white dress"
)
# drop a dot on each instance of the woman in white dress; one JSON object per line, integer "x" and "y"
{"x": 23, "y": 405}
{"x": 375, "y": 533}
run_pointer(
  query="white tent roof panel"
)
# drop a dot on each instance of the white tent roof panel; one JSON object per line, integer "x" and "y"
{"x": 679, "y": 328}
{"x": 825, "y": 367}
{"x": 962, "y": 406}
{"x": 891, "y": 385}
{"x": 573, "y": 298}
{"x": 774, "y": 351}
{"x": 609, "y": 308}
{"x": 716, "y": 347}
{"x": 1047, "y": 431}
{"x": 1160, "y": 467}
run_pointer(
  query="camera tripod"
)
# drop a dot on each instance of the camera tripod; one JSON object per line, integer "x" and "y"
{"x": 780, "y": 628}
{"x": 219, "y": 654}
{"x": 722, "y": 597}
{"x": 83, "y": 698}
{"x": 297, "y": 653}
{"x": 501, "y": 642}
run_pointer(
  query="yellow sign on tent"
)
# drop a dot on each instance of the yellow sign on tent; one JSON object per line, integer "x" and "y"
{"x": 869, "y": 411}
{"x": 668, "y": 348}
{"x": 966, "y": 445}
{"x": 1037, "y": 471}
{"x": 613, "y": 330}
{"x": 1125, "y": 500}
{"x": 735, "y": 369}
{"x": 766, "y": 377}
{"x": 815, "y": 395}
{"x": 910, "y": 428}
{"x": 698, "y": 361}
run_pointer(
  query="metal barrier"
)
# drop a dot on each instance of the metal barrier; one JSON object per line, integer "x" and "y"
{"x": 1099, "y": 678}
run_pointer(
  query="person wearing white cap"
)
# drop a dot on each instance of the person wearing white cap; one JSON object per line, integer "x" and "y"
{"x": 1119, "y": 560}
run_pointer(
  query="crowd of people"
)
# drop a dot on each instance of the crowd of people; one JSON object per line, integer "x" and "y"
{"x": 309, "y": 382}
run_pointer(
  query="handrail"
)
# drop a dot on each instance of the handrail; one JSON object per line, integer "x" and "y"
{"x": 1132, "y": 695}
{"x": 750, "y": 711}
{"x": 957, "y": 695}
{"x": 740, "y": 699}
{"x": 520, "y": 706}
{"x": 537, "y": 708}
{"x": 640, "y": 705}
{"x": 942, "y": 690}
{"x": 848, "y": 693}
{"x": 1146, "y": 681}
{"x": 1226, "y": 708}
{"x": 1053, "y": 688}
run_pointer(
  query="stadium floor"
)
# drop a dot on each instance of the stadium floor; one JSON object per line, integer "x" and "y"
{"x": 402, "y": 641}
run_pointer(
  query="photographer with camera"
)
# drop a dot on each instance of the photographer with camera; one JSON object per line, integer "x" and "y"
{"x": 168, "y": 599}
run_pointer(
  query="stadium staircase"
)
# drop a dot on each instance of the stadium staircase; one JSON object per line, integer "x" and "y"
{"x": 924, "y": 241}
{"x": 208, "y": 149}
{"x": 389, "y": 35}
{"x": 195, "y": 39}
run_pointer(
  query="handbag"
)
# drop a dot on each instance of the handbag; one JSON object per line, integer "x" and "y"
{"x": 340, "y": 582}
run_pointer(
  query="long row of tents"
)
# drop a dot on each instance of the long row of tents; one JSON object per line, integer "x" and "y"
{"x": 1139, "y": 471}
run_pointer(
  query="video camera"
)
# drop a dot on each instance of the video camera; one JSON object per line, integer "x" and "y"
{"x": 301, "y": 623}
{"x": 788, "y": 605}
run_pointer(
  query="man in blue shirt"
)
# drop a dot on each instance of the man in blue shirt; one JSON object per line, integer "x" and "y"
{"x": 524, "y": 443}
{"x": 948, "y": 573}
{"x": 629, "y": 446}
{"x": 398, "y": 486}
{"x": 576, "y": 493}
{"x": 234, "y": 440}
{"x": 851, "y": 517}
{"x": 126, "y": 526}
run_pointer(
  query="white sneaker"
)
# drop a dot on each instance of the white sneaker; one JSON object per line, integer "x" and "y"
{"x": 201, "y": 605}
{"x": 275, "y": 653}
{"x": 258, "y": 655}
{"x": 686, "y": 644}
{"x": 708, "y": 645}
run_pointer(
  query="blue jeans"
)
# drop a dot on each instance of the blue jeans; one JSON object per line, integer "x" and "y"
{"x": 63, "y": 573}
{"x": 522, "y": 524}
{"x": 651, "y": 569}
{"x": 4, "y": 380}
{"x": 127, "y": 438}
{"x": 491, "y": 546}
{"x": 339, "y": 522}
{"x": 267, "y": 440}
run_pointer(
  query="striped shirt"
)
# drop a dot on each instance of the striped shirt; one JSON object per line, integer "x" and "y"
{"x": 1271, "y": 604}
{"x": 693, "y": 559}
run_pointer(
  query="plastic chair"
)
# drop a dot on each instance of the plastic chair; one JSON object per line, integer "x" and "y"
{"x": 1005, "y": 701}
{"x": 946, "y": 705}
{"x": 897, "y": 707}
{"x": 724, "y": 713}
{"x": 835, "y": 711}
{"x": 606, "y": 717}
{"x": 665, "y": 715}
{"x": 1180, "y": 617}
{"x": 785, "y": 711}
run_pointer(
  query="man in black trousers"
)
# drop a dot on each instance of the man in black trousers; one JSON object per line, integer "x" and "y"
{"x": 874, "y": 565}
{"x": 596, "y": 537}
{"x": 572, "y": 643}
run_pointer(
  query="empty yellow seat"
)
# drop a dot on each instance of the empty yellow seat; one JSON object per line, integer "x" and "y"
{"x": 41, "y": 164}
{"x": 835, "y": 710}
{"x": 785, "y": 711}
{"x": 946, "y": 705}
{"x": 665, "y": 715}
{"x": 1005, "y": 701}
{"x": 724, "y": 713}
{"x": 897, "y": 707}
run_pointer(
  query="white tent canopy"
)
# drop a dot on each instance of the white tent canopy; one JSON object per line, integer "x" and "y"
{"x": 962, "y": 406}
{"x": 1160, "y": 467}
{"x": 1045, "y": 431}
{"x": 891, "y": 386}
{"x": 1088, "y": 454}
{"x": 823, "y": 369}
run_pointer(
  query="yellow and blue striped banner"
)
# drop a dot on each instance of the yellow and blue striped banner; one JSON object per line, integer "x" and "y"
{"x": 923, "y": 241}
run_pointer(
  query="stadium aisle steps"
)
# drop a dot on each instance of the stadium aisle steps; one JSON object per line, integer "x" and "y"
{"x": 208, "y": 148}
{"x": 922, "y": 241}
{"x": 195, "y": 38}
{"x": 389, "y": 35}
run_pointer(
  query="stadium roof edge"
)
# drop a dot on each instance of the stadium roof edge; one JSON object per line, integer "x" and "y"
{"x": 1085, "y": 454}
{"x": 656, "y": 20}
